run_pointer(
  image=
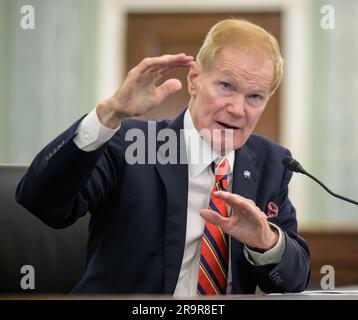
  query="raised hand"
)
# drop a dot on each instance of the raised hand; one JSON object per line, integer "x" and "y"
{"x": 247, "y": 223}
{"x": 139, "y": 92}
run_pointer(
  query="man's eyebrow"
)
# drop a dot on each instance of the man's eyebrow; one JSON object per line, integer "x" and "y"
{"x": 231, "y": 75}
{"x": 260, "y": 90}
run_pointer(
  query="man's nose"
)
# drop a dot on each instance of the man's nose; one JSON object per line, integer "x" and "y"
{"x": 237, "y": 106}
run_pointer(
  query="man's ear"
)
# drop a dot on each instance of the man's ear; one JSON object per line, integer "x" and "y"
{"x": 193, "y": 78}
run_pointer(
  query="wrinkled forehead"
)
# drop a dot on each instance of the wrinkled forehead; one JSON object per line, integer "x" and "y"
{"x": 245, "y": 64}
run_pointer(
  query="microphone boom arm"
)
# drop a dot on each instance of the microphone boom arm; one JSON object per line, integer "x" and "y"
{"x": 293, "y": 165}
{"x": 329, "y": 191}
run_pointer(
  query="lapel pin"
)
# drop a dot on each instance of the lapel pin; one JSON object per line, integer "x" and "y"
{"x": 247, "y": 174}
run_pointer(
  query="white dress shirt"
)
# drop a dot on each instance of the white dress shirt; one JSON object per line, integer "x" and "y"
{"x": 91, "y": 134}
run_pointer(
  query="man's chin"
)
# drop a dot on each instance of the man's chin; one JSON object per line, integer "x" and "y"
{"x": 224, "y": 146}
{"x": 223, "y": 141}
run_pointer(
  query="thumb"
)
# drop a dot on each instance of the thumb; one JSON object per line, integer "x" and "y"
{"x": 170, "y": 86}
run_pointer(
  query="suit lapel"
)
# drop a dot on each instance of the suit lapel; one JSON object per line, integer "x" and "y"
{"x": 246, "y": 176}
{"x": 175, "y": 179}
{"x": 245, "y": 184}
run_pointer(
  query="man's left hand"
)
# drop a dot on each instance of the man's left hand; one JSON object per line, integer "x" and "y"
{"x": 247, "y": 223}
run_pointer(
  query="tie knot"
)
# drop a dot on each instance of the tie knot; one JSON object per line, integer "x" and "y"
{"x": 220, "y": 169}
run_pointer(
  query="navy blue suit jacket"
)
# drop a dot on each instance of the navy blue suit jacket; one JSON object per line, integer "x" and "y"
{"x": 138, "y": 212}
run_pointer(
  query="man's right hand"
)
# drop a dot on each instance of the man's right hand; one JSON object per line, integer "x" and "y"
{"x": 139, "y": 92}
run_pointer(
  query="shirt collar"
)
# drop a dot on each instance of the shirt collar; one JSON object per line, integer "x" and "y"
{"x": 199, "y": 153}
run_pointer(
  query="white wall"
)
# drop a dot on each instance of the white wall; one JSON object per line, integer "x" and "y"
{"x": 47, "y": 74}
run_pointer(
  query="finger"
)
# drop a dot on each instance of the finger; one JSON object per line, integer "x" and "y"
{"x": 154, "y": 75}
{"x": 231, "y": 199}
{"x": 165, "y": 60}
{"x": 145, "y": 69}
{"x": 168, "y": 87}
{"x": 163, "y": 71}
{"x": 214, "y": 218}
{"x": 235, "y": 201}
{"x": 157, "y": 71}
{"x": 176, "y": 58}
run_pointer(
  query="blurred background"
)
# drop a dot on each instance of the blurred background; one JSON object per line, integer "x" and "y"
{"x": 78, "y": 52}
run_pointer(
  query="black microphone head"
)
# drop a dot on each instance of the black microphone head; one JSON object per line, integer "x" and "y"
{"x": 293, "y": 165}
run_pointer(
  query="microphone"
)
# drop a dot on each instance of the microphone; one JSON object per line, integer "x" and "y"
{"x": 295, "y": 166}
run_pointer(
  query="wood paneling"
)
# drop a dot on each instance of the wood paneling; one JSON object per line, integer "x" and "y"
{"x": 335, "y": 248}
{"x": 156, "y": 34}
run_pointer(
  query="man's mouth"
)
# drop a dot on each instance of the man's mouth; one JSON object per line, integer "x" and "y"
{"x": 227, "y": 125}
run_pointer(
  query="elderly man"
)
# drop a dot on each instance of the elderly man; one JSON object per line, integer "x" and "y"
{"x": 218, "y": 219}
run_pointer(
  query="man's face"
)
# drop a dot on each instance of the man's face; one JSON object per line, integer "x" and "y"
{"x": 230, "y": 97}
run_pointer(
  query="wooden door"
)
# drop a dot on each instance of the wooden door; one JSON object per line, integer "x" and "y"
{"x": 151, "y": 35}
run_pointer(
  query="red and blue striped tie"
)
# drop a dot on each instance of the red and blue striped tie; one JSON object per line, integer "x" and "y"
{"x": 213, "y": 266}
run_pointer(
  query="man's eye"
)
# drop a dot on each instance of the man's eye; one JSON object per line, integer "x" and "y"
{"x": 256, "y": 96}
{"x": 226, "y": 85}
